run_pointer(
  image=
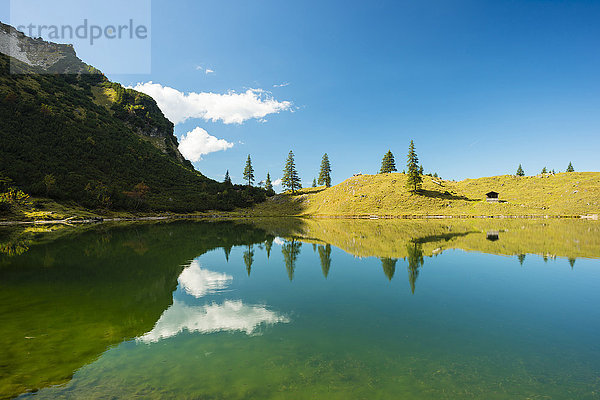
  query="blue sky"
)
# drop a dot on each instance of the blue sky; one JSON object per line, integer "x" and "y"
{"x": 480, "y": 86}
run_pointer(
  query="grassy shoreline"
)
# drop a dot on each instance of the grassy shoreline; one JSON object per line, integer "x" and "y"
{"x": 235, "y": 215}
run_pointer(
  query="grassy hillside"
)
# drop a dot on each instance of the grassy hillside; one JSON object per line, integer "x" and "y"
{"x": 82, "y": 139}
{"x": 566, "y": 194}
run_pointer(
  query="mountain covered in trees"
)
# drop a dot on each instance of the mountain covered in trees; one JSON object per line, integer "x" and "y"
{"x": 79, "y": 137}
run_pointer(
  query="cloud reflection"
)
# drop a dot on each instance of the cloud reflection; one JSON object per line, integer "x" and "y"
{"x": 210, "y": 318}
{"x": 199, "y": 282}
{"x": 231, "y": 315}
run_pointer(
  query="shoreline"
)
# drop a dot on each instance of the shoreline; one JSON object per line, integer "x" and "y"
{"x": 99, "y": 220}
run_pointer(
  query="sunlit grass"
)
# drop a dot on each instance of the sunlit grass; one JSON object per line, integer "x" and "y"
{"x": 566, "y": 194}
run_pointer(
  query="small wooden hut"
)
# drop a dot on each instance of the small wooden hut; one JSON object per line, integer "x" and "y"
{"x": 492, "y": 197}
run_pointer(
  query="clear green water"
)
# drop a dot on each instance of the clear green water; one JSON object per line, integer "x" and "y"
{"x": 232, "y": 311}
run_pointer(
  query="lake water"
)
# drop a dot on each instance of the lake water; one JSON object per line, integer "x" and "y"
{"x": 302, "y": 309}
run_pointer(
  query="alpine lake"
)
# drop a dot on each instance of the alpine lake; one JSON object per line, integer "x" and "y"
{"x": 302, "y": 309}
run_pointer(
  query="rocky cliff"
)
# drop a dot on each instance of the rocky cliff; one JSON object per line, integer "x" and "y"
{"x": 137, "y": 110}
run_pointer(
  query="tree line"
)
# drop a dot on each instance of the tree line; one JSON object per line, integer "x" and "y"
{"x": 292, "y": 248}
{"x": 290, "y": 179}
{"x": 414, "y": 171}
{"x": 521, "y": 171}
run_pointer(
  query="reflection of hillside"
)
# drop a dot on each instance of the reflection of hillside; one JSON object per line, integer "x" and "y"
{"x": 66, "y": 300}
{"x": 388, "y": 238}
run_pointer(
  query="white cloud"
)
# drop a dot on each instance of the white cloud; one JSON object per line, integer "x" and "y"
{"x": 281, "y": 85}
{"x": 209, "y": 71}
{"x": 199, "y": 282}
{"x": 209, "y": 318}
{"x": 230, "y": 108}
{"x": 199, "y": 68}
{"x": 197, "y": 143}
{"x": 277, "y": 182}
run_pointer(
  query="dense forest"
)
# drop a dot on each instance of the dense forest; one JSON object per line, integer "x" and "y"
{"x": 82, "y": 138}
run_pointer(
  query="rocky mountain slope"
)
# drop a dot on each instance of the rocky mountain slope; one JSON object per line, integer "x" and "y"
{"x": 79, "y": 137}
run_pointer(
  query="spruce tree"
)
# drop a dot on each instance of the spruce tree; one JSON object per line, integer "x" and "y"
{"x": 421, "y": 170}
{"x": 314, "y": 184}
{"x": 414, "y": 179}
{"x": 325, "y": 173}
{"x": 520, "y": 171}
{"x": 570, "y": 168}
{"x": 268, "y": 183}
{"x": 388, "y": 163}
{"x": 544, "y": 170}
{"x": 227, "y": 179}
{"x": 249, "y": 171}
{"x": 290, "y": 179}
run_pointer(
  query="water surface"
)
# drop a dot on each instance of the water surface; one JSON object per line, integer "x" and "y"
{"x": 302, "y": 309}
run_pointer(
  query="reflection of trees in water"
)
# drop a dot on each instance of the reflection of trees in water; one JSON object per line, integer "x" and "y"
{"x": 415, "y": 262}
{"x": 572, "y": 262}
{"x": 14, "y": 248}
{"x": 291, "y": 251}
{"x": 521, "y": 258}
{"x": 268, "y": 246}
{"x": 325, "y": 256}
{"x": 389, "y": 267}
{"x": 249, "y": 258}
{"x": 227, "y": 250}
{"x": 122, "y": 276}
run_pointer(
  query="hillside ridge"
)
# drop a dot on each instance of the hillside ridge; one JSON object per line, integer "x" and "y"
{"x": 565, "y": 194}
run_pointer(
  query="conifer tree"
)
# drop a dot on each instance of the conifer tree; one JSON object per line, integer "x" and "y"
{"x": 290, "y": 179}
{"x": 544, "y": 170}
{"x": 268, "y": 183}
{"x": 227, "y": 179}
{"x": 414, "y": 179}
{"x": 249, "y": 171}
{"x": 314, "y": 184}
{"x": 570, "y": 168}
{"x": 421, "y": 170}
{"x": 388, "y": 163}
{"x": 325, "y": 173}
{"x": 520, "y": 171}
